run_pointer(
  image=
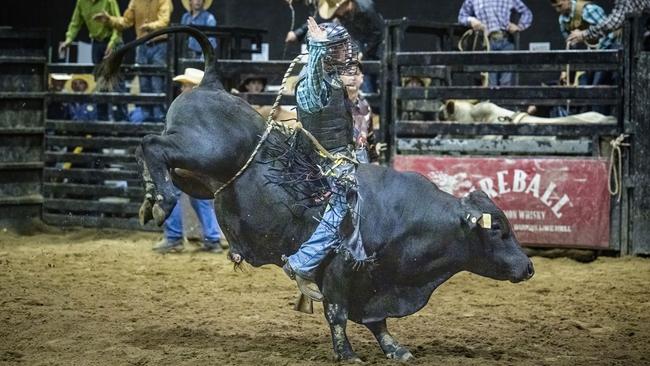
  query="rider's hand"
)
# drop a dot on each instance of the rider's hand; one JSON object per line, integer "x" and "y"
{"x": 315, "y": 32}
{"x": 291, "y": 37}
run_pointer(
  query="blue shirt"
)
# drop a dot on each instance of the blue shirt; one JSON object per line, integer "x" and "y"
{"x": 203, "y": 18}
{"x": 495, "y": 14}
{"x": 82, "y": 111}
{"x": 592, "y": 14}
{"x": 313, "y": 92}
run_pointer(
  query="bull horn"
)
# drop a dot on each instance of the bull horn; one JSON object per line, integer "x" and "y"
{"x": 485, "y": 221}
{"x": 304, "y": 304}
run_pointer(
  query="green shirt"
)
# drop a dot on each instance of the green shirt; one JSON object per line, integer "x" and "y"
{"x": 83, "y": 14}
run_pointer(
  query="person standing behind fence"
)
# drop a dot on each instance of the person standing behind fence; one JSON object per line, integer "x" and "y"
{"x": 173, "y": 237}
{"x": 104, "y": 40}
{"x": 197, "y": 14}
{"x": 580, "y": 15}
{"x": 103, "y": 37}
{"x": 493, "y": 18}
{"x": 146, "y": 16}
{"x": 613, "y": 22}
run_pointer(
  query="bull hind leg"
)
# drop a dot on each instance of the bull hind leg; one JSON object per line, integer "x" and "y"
{"x": 388, "y": 344}
{"x": 337, "y": 317}
{"x": 156, "y": 154}
{"x": 145, "y": 214}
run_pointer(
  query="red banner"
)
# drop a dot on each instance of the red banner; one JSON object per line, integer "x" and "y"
{"x": 560, "y": 202}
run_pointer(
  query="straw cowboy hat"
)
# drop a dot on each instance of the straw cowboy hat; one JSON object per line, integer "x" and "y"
{"x": 327, "y": 8}
{"x": 186, "y": 4}
{"x": 89, "y": 79}
{"x": 191, "y": 76}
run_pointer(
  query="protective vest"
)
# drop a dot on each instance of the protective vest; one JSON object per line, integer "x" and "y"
{"x": 333, "y": 125}
{"x": 576, "y": 21}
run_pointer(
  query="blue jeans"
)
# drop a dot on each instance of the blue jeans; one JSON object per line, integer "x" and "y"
{"x": 204, "y": 210}
{"x": 501, "y": 78}
{"x": 152, "y": 54}
{"x": 326, "y": 236}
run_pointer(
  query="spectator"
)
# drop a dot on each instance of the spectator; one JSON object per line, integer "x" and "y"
{"x": 58, "y": 110}
{"x": 146, "y": 16}
{"x": 173, "y": 230}
{"x": 363, "y": 22}
{"x": 103, "y": 38}
{"x": 493, "y": 18}
{"x": 613, "y": 22}
{"x": 252, "y": 84}
{"x": 580, "y": 15}
{"x": 364, "y": 136}
{"x": 82, "y": 111}
{"x": 197, "y": 14}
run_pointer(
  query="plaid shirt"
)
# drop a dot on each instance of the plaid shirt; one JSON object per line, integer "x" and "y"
{"x": 495, "y": 14}
{"x": 615, "y": 20}
{"x": 592, "y": 14}
{"x": 313, "y": 93}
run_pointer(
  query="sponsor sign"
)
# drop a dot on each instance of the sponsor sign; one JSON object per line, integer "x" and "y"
{"x": 560, "y": 202}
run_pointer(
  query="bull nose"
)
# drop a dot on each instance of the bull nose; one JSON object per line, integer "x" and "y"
{"x": 530, "y": 270}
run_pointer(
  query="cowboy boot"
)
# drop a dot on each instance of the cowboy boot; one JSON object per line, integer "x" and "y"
{"x": 308, "y": 287}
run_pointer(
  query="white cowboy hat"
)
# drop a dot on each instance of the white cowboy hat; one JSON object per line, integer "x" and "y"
{"x": 191, "y": 76}
{"x": 206, "y": 4}
{"x": 61, "y": 77}
{"x": 327, "y": 8}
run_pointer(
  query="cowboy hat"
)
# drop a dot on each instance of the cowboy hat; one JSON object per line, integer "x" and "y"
{"x": 245, "y": 78}
{"x": 191, "y": 76}
{"x": 60, "y": 77}
{"x": 89, "y": 79}
{"x": 327, "y": 8}
{"x": 186, "y": 4}
{"x": 422, "y": 80}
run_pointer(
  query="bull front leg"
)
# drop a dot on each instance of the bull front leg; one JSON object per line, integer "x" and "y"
{"x": 388, "y": 344}
{"x": 337, "y": 317}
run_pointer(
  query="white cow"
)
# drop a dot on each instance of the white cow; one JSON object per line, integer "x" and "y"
{"x": 468, "y": 111}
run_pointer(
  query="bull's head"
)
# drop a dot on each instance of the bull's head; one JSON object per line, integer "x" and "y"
{"x": 494, "y": 251}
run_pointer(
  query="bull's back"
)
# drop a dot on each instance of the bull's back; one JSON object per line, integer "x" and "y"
{"x": 397, "y": 205}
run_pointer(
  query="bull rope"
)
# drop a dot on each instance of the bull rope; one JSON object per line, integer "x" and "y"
{"x": 616, "y": 167}
{"x": 270, "y": 122}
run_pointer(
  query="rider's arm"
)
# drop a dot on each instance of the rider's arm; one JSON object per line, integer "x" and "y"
{"x": 313, "y": 92}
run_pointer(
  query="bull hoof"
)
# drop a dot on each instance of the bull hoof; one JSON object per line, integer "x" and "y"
{"x": 159, "y": 215}
{"x": 402, "y": 354}
{"x": 349, "y": 358}
{"x": 144, "y": 214}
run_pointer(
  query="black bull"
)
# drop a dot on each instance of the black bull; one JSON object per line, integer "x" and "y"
{"x": 420, "y": 235}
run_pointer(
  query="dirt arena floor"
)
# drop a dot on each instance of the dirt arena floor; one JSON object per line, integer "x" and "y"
{"x": 103, "y": 298}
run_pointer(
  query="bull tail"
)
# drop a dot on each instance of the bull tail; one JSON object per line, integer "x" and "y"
{"x": 107, "y": 73}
